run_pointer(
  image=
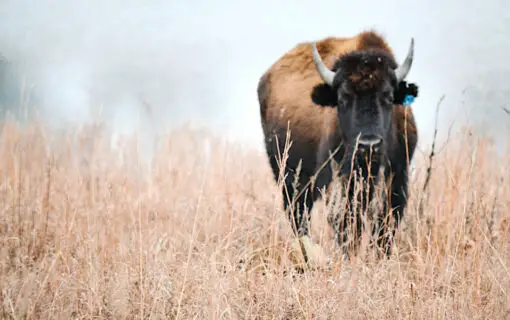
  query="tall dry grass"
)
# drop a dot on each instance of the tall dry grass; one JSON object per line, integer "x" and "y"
{"x": 87, "y": 232}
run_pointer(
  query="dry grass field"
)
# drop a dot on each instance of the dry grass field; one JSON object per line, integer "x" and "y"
{"x": 86, "y": 233}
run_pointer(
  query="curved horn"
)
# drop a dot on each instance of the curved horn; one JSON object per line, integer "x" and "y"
{"x": 326, "y": 74}
{"x": 402, "y": 70}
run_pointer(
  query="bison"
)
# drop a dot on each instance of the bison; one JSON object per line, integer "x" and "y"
{"x": 343, "y": 100}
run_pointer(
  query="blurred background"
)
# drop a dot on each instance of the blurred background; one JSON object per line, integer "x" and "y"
{"x": 199, "y": 61}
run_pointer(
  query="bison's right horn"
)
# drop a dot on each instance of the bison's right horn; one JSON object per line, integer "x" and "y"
{"x": 326, "y": 74}
{"x": 402, "y": 70}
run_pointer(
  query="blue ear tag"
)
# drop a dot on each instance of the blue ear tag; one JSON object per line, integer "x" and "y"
{"x": 408, "y": 100}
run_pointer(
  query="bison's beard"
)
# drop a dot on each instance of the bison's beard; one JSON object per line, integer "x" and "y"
{"x": 362, "y": 164}
{"x": 361, "y": 176}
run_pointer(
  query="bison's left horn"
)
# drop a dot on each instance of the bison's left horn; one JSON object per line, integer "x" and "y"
{"x": 326, "y": 74}
{"x": 402, "y": 71}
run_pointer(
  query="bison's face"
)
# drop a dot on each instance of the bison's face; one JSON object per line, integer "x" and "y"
{"x": 365, "y": 83}
{"x": 365, "y": 117}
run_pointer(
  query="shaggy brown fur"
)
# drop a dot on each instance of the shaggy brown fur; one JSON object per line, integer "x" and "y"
{"x": 292, "y": 95}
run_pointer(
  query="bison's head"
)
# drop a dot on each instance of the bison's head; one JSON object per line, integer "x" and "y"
{"x": 364, "y": 85}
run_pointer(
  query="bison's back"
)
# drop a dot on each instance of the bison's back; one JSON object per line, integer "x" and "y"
{"x": 285, "y": 96}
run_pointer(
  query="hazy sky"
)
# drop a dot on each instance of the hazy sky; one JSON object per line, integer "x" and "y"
{"x": 201, "y": 60}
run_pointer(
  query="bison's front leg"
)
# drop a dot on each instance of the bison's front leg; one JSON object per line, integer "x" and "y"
{"x": 345, "y": 218}
{"x": 339, "y": 201}
{"x": 394, "y": 207}
{"x": 336, "y": 209}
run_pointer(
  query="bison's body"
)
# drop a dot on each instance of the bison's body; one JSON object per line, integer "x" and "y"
{"x": 294, "y": 95}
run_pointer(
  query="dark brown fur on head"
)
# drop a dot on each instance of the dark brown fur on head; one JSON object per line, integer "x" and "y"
{"x": 365, "y": 70}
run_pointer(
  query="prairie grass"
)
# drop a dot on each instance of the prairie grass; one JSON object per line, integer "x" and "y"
{"x": 88, "y": 232}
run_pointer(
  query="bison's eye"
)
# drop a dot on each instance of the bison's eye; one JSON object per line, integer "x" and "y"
{"x": 344, "y": 99}
{"x": 388, "y": 97}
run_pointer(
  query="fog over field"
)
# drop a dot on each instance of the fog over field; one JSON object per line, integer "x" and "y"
{"x": 200, "y": 61}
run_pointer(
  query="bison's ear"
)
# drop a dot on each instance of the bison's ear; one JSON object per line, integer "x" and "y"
{"x": 323, "y": 95}
{"x": 404, "y": 89}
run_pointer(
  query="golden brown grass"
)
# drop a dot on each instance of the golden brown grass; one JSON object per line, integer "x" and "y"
{"x": 87, "y": 233}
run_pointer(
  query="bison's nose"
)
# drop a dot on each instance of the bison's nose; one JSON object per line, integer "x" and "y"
{"x": 366, "y": 142}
